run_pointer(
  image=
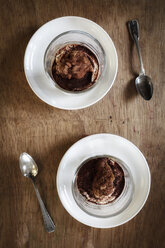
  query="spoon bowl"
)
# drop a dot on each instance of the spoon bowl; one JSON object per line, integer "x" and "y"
{"x": 27, "y": 165}
{"x": 144, "y": 86}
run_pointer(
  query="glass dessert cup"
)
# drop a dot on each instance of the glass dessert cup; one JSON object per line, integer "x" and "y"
{"x": 110, "y": 209}
{"x": 79, "y": 38}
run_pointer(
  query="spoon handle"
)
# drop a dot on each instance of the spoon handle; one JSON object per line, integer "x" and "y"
{"x": 133, "y": 26}
{"x": 49, "y": 224}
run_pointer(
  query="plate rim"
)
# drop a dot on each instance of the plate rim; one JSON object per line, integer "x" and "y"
{"x": 148, "y": 174}
{"x": 84, "y": 105}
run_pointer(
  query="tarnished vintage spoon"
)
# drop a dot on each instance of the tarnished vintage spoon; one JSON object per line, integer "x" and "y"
{"x": 143, "y": 83}
{"x": 29, "y": 169}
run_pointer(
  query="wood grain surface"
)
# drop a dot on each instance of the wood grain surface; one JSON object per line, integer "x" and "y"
{"x": 28, "y": 124}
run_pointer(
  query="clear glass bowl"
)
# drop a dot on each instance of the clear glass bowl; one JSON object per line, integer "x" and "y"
{"x": 110, "y": 209}
{"x": 74, "y": 37}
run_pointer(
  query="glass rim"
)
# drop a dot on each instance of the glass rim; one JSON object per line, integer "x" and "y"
{"x": 76, "y": 32}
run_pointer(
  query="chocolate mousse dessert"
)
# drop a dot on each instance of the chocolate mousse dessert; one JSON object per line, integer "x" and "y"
{"x": 101, "y": 180}
{"x": 75, "y": 67}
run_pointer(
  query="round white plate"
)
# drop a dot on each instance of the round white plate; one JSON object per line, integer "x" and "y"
{"x": 100, "y": 144}
{"x": 34, "y": 63}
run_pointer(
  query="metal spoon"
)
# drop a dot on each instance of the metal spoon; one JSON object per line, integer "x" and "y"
{"x": 143, "y": 83}
{"x": 29, "y": 169}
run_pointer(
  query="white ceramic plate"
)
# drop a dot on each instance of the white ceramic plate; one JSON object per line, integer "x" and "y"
{"x": 34, "y": 63}
{"x": 100, "y": 144}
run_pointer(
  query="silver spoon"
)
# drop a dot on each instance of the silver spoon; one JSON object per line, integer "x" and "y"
{"x": 143, "y": 83}
{"x": 29, "y": 169}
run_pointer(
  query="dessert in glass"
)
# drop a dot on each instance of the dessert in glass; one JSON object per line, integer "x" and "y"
{"x": 74, "y": 61}
{"x": 103, "y": 186}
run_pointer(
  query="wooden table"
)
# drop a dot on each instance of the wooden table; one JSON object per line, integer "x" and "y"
{"x": 28, "y": 124}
